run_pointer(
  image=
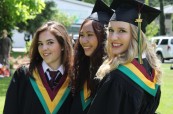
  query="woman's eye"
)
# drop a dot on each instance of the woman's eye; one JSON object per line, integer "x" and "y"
{"x": 121, "y": 31}
{"x": 110, "y": 30}
{"x": 50, "y": 43}
{"x": 90, "y": 34}
{"x": 81, "y": 35}
{"x": 40, "y": 44}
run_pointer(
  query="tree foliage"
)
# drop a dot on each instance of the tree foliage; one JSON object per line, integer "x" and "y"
{"x": 49, "y": 13}
{"x": 152, "y": 29}
{"x": 90, "y": 1}
{"x": 108, "y": 2}
{"x": 15, "y": 11}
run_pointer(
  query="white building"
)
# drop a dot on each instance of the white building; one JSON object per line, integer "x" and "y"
{"x": 75, "y": 8}
{"x": 168, "y": 11}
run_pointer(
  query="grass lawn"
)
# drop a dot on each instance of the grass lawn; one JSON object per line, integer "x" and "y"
{"x": 166, "y": 102}
{"x": 4, "y": 82}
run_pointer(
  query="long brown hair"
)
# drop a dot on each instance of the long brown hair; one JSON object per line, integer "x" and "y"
{"x": 60, "y": 32}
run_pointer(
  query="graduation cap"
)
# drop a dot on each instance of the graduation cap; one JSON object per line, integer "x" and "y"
{"x": 136, "y": 13}
{"x": 101, "y": 12}
{"x": 130, "y": 10}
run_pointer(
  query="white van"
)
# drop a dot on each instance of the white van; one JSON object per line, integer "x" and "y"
{"x": 164, "y": 47}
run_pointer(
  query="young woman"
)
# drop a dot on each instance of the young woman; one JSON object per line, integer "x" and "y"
{"x": 129, "y": 81}
{"x": 89, "y": 53}
{"x": 45, "y": 87}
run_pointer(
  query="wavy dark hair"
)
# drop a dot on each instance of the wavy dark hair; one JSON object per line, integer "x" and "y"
{"x": 86, "y": 67}
{"x": 60, "y": 32}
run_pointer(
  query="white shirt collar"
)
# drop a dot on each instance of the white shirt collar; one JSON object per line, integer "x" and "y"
{"x": 45, "y": 67}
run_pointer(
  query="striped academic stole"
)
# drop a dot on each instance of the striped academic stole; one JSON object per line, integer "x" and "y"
{"x": 139, "y": 75}
{"x": 50, "y": 106}
{"x": 85, "y": 96}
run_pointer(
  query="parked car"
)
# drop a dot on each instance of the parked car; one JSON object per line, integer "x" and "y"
{"x": 164, "y": 47}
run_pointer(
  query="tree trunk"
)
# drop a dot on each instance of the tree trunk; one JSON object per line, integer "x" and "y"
{"x": 162, "y": 19}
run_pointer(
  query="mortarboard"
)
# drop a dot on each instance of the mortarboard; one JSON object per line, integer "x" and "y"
{"x": 136, "y": 13}
{"x": 129, "y": 10}
{"x": 101, "y": 12}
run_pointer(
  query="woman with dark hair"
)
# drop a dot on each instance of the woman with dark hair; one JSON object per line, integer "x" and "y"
{"x": 44, "y": 88}
{"x": 89, "y": 53}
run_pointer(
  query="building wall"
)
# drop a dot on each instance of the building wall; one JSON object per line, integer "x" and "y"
{"x": 75, "y": 8}
{"x": 168, "y": 24}
{"x": 168, "y": 11}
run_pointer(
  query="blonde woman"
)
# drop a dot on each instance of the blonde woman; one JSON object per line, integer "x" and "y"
{"x": 131, "y": 75}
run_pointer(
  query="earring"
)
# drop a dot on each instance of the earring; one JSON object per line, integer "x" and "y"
{"x": 62, "y": 49}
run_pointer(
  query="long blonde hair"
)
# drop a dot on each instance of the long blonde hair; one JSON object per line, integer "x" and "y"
{"x": 112, "y": 62}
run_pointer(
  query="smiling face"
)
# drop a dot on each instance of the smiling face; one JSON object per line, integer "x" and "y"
{"x": 119, "y": 37}
{"x": 88, "y": 39}
{"x": 49, "y": 49}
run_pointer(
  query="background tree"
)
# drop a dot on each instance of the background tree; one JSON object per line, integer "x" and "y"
{"x": 162, "y": 19}
{"x": 108, "y": 2}
{"x": 15, "y": 11}
{"x": 161, "y": 4}
{"x": 49, "y": 13}
{"x": 152, "y": 30}
{"x": 90, "y": 1}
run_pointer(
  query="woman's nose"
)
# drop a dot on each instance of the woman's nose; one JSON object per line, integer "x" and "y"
{"x": 44, "y": 47}
{"x": 85, "y": 39}
{"x": 114, "y": 36}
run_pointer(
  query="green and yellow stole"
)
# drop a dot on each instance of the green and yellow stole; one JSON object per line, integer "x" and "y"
{"x": 136, "y": 73}
{"x": 85, "y": 96}
{"x": 50, "y": 106}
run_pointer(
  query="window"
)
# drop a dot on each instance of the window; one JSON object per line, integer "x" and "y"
{"x": 171, "y": 41}
{"x": 157, "y": 41}
{"x": 168, "y": 16}
{"x": 164, "y": 42}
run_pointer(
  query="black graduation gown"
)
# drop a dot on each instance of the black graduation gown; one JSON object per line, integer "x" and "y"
{"x": 22, "y": 99}
{"x": 77, "y": 107}
{"x": 81, "y": 103}
{"x": 118, "y": 94}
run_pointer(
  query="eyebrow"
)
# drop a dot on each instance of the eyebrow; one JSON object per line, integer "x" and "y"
{"x": 122, "y": 28}
{"x": 47, "y": 40}
{"x": 86, "y": 31}
{"x": 118, "y": 28}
